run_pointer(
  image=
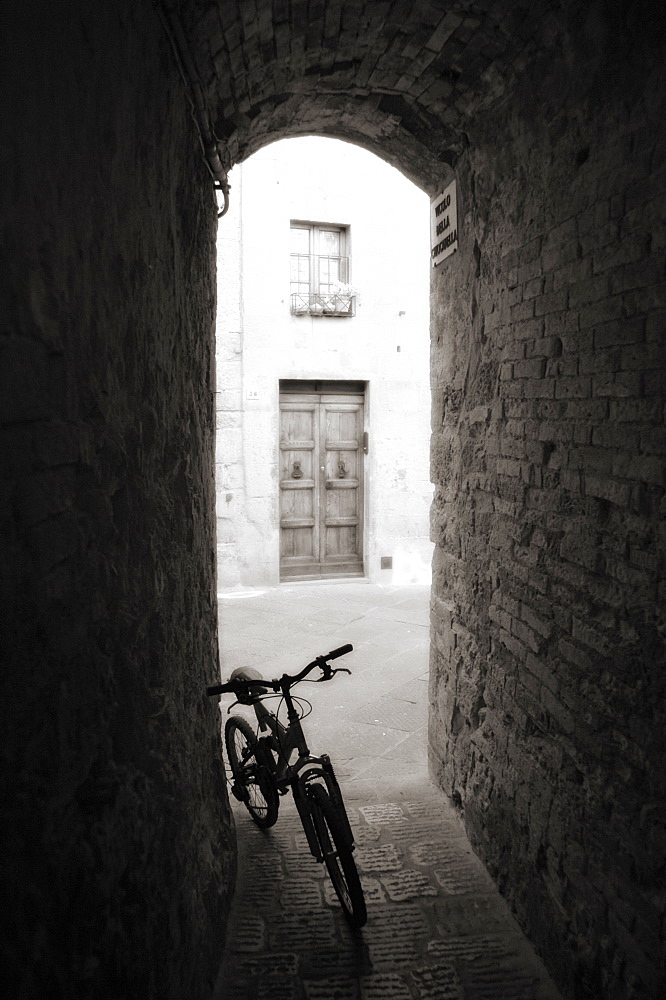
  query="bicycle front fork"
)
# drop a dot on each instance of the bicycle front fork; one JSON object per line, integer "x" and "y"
{"x": 322, "y": 769}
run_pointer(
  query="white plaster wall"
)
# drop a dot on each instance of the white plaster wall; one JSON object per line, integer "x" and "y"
{"x": 385, "y": 344}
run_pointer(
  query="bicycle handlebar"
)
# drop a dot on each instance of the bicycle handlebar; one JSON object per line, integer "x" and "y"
{"x": 240, "y": 685}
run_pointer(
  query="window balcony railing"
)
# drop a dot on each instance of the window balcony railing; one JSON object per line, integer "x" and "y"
{"x": 320, "y": 285}
{"x": 318, "y": 304}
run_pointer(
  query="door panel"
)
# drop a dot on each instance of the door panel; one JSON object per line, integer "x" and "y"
{"x": 321, "y": 485}
{"x": 299, "y": 515}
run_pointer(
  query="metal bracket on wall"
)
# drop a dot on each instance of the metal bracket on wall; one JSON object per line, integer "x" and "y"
{"x": 211, "y": 146}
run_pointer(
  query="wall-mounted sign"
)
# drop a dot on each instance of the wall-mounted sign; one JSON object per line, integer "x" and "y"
{"x": 444, "y": 225}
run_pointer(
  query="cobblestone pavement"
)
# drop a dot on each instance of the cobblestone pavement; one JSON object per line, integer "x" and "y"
{"x": 437, "y": 928}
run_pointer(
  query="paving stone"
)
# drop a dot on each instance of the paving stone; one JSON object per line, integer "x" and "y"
{"x": 276, "y": 987}
{"x": 438, "y": 982}
{"x": 408, "y": 884}
{"x": 414, "y": 748}
{"x": 330, "y": 895}
{"x": 465, "y": 914}
{"x": 486, "y": 981}
{"x": 393, "y": 940}
{"x": 472, "y": 948}
{"x": 263, "y": 893}
{"x": 386, "y": 986}
{"x": 331, "y": 989}
{"x": 347, "y": 959}
{"x": 279, "y": 964}
{"x": 373, "y": 891}
{"x": 385, "y": 768}
{"x": 366, "y": 739}
{"x": 268, "y": 867}
{"x": 238, "y": 991}
{"x": 415, "y": 689}
{"x": 458, "y": 881}
{"x": 394, "y": 713}
{"x": 249, "y": 934}
{"x": 421, "y": 831}
{"x": 300, "y": 894}
{"x": 300, "y": 861}
{"x": 364, "y": 835}
{"x": 281, "y": 839}
{"x": 251, "y": 627}
{"x": 295, "y": 931}
{"x": 274, "y": 963}
{"x": 379, "y": 859}
{"x": 351, "y": 768}
{"x": 387, "y": 812}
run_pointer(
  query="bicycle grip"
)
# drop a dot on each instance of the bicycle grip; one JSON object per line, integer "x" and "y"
{"x": 340, "y": 651}
{"x": 216, "y": 689}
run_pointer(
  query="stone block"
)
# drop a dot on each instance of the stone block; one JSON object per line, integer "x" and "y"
{"x": 532, "y": 368}
{"x": 522, "y": 311}
{"x": 643, "y": 468}
{"x": 574, "y": 654}
{"x": 557, "y": 324}
{"x": 542, "y": 388}
{"x": 546, "y": 347}
{"x": 629, "y": 250}
{"x": 530, "y": 329}
{"x": 626, "y": 331}
{"x": 576, "y": 388}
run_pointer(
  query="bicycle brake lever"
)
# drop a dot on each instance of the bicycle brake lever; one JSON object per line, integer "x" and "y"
{"x": 338, "y": 670}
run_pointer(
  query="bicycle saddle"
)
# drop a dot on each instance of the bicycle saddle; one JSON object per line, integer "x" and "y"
{"x": 249, "y": 674}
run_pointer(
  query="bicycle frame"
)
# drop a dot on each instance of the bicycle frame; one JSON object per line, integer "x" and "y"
{"x": 284, "y": 740}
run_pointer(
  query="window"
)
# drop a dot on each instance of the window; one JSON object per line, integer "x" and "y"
{"x": 320, "y": 270}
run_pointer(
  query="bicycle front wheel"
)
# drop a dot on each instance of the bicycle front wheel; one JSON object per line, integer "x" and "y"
{"x": 253, "y": 782}
{"x": 337, "y": 854}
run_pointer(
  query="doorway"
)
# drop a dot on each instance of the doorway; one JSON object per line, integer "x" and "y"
{"x": 321, "y": 479}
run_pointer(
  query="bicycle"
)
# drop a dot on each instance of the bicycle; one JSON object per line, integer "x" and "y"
{"x": 262, "y": 772}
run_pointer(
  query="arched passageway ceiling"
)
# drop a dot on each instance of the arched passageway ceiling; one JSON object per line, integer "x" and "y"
{"x": 406, "y": 79}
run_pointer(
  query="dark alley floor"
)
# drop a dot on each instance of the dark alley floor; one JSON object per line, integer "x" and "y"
{"x": 437, "y": 928}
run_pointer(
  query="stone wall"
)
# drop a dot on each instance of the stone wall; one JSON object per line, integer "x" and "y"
{"x": 115, "y": 813}
{"x": 547, "y": 689}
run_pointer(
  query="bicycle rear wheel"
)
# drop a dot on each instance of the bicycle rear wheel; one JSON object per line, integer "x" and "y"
{"x": 253, "y": 782}
{"x": 337, "y": 854}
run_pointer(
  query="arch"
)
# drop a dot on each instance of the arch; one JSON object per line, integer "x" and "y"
{"x": 357, "y": 120}
{"x": 407, "y": 81}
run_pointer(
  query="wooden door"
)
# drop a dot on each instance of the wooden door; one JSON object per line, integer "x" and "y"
{"x": 321, "y": 484}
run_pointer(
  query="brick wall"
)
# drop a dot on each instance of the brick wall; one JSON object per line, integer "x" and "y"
{"x": 547, "y": 688}
{"x": 114, "y": 811}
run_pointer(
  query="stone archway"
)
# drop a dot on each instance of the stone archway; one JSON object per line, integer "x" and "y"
{"x": 547, "y": 456}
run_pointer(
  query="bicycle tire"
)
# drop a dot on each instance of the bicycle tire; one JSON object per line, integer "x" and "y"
{"x": 257, "y": 787}
{"x": 337, "y": 855}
